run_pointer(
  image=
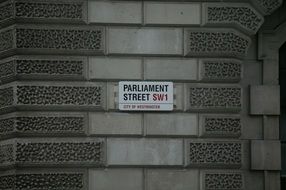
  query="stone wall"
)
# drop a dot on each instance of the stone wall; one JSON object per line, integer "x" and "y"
{"x": 60, "y": 126}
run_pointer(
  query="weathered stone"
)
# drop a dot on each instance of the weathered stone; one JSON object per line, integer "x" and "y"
{"x": 153, "y": 41}
{"x": 144, "y": 151}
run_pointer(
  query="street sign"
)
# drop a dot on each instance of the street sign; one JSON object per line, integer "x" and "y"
{"x": 145, "y": 96}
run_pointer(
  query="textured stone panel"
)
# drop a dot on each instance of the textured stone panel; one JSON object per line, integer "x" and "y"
{"x": 267, "y": 6}
{"x": 219, "y": 42}
{"x": 240, "y": 14}
{"x": 115, "y": 68}
{"x": 170, "y": 69}
{"x": 171, "y": 179}
{"x": 115, "y": 12}
{"x": 220, "y": 70}
{"x": 172, "y": 13}
{"x": 222, "y": 180}
{"x": 265, "y": 100}
{"x": 220, "y": 98}
{"x": 6, "y": 40}
{"x": 27, "y": 152}
{"x": 42, "y": 68}
{"x": 64, "y": 11}
{"x": 49, "y": 10}
{"x": 6, "y": 97}
{"x": 214, "y": 154}
{"x": 171, "y": 124}
{"x": 47, "y": 180}
{"x": 115, "y": 124}
{"x": 6, "y": 11}
{"x": 153, "y": 41}
{"x": 220, "y": 125}
{"x": 33, "y": 123}
{"x": 108, "y": 179}
{"x": 265, "y": 155}
{"x": 144, "y": 151}
{"x": 53, "y": 39}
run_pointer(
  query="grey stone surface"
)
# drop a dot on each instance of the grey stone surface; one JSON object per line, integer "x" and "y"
{"x": 173, "y": 124}
{"x": 272, "y": 180}
{"x": 115, "y": 68}
{"x": 115, "y": 12}
{"x": 175, "y": 13}
{"x": 267, "y": 6}
{"x": 271, "y": 127}
{"x": 242, "y": 15}
{"x": 265, "y": 155}
{"x": 115, "y": 123}
{"x": 172, "y": 179}
{"x": 44, "y": 179}
{"x": 43, "y": 123}
{"x": 154, "y": 41}
{"x": 144, "y": 151}
{"x": 170, "y": 69}
{"x": 265, "y": 100}
{"x": 110, "y": 179}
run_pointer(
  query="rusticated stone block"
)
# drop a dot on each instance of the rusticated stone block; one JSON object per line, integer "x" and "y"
{"x": 55, "y": 96}
{"x": 213, "y": 125}
{"x": 220, "y": 70}
{"x": 42, "y": 68}
{"x": 52, "y": 39}
{"x": 37, "y": 11}
{"x": 267, "y": 6}
{"x": 219, "y": 42}
{"x": 214, "y": 98}
{"x": 223, "y": 180}
{"x": 44, "y": 180}
{"x": 237, "y": 14}
{"x": 214, "y": 154}
{"x": 51, "y": 151}
{"x": 44, "y": 123}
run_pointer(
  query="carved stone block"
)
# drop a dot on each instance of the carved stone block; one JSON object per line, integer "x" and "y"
{"x": 43, "y": 124}
{"x": 220, "y": 70}
{"x": 220, "y": 125}
{"x": 52, "y": 39}
{"x": 43, "y": 10}
{"x": 218, "y": 42}
{"x": 44, "y": 180}
{"x": 214, "y": 98}
{"x": 242, "y": 15}
{"x": 51, "y": 151}
{"x": 42, "y": 68}
{"x": 267, "y": 6}
{"x": 53, "y": 96}
{"x": 222, "y": 180}
{"x": 214, "y": 154}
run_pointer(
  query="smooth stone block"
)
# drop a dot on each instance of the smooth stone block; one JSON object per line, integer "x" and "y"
{"x": 265, "y": 155}
{"x": 115, "y": 124}
{"x": 115, "y": 68}
{"x": 172, "y": 13}
{"x": 170, "y": 69}
{"x": 109, "y": 179}
{"x": 143, "y": 151}
{"x": 154, "y": 41}
{"x": 173, "y": 124}
{"x": 164, "y": 179}
{"x": 265, "y": 100}
{"x": 114, "y": 12}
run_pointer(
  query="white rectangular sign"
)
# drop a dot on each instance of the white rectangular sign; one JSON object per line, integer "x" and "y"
{"x": 148, "y": 96}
